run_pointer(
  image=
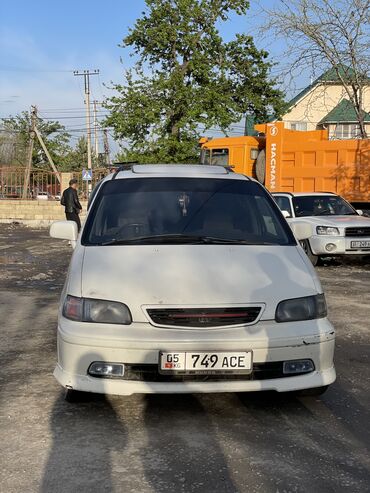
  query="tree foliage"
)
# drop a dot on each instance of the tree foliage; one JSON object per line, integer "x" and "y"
{"x": 15, "y": 139}
{"x": 187, "y": 80}
{"x": 17, "y": 132}
{"x": 76, "y": 159}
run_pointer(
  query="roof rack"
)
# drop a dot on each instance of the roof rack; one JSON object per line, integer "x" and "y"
{"x": 123, "y": 166}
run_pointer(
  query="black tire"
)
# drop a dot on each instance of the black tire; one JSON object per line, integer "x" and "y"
{"x": 314, "y": 391}
{"x": 305, "y": 244}
{"x": 72, "y": 395}
{"x": 260, "y": 168}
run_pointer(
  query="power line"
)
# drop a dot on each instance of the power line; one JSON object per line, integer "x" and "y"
{"x": 69, "y": 117}
{"x": 16, "y": 69}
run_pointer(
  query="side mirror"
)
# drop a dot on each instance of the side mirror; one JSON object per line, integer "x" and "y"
{"x": 64, "y": 230}
{"x": 301, "y": 230}
{"x": 285, "y": 214}
{"x": 360, "y": 212}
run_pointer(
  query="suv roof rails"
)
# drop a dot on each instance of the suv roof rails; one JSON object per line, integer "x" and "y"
{"x": 127, "y": 166}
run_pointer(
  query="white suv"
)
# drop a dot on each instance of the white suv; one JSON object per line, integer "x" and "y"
{"x": 187, "y": 278}
{"x": 336, "y": 227}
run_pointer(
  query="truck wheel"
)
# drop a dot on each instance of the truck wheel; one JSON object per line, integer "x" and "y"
{"x": 260, "y": 167}
{"x": 314, "y": 391}
{"x": 305, "y": 244}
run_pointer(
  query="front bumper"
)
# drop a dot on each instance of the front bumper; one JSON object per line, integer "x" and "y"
{"x": 81, "y": 344}
{"x": 342, "y": 245}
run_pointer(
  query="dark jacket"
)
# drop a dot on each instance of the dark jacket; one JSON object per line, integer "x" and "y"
{"x": 70, "y": 200}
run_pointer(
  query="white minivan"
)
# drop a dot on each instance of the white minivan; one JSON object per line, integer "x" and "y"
{"x": 187, "y": 278}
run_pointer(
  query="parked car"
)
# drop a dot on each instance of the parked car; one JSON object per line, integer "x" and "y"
{"x": 336, "y": 227}
{"x": 187, "y": 278}
{"x": 43, "y": 196}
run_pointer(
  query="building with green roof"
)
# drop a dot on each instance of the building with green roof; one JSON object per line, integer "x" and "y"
{"x": 325, "y": 104}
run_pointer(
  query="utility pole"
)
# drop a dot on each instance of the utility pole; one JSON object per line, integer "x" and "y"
{"x": 86, "y": 75}
{"x": 95, "y": 119}
{"x": 106, "y": 147}
{"x": 51, "y": 162}
{"x": 27, "y": 172}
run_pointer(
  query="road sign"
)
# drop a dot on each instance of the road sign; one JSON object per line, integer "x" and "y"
{"x": 87, "y": 174}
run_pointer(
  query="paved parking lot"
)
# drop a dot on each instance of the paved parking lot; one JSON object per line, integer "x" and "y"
{"x": 190, "y": 443}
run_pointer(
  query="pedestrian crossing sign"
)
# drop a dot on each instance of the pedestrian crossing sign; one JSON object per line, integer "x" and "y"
{"x": 87, "y": 174}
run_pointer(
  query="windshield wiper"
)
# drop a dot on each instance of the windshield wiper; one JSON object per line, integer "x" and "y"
{"x": 176, "y": 238}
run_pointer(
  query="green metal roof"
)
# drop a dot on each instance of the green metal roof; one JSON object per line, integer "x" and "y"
{"x": 343, "y": 112}
{"x": 250, "y": 122}
{"x": 328, "y": 77}
{"x": 249, "y": 126}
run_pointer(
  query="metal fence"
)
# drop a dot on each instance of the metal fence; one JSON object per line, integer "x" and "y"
{"x": 18, "y": 183}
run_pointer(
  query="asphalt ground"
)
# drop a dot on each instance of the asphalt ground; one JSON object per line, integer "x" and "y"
{"x": 261, "y": 442}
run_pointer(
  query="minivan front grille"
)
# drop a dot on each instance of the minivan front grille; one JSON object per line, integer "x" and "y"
{"x": 150, "y": 373}
{"x": 358, "y": 232}
{"x": 204, "y": 317}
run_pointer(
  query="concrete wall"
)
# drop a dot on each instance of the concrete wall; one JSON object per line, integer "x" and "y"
{"x": 33, "y": 212}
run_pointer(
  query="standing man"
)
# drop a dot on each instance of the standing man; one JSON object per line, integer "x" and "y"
{"x": 72, "y": 206}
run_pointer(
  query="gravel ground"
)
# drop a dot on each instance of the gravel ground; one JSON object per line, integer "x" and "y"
{"x": 183, "y": 443}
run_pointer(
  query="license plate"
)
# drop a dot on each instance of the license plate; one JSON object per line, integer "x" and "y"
{"x": 205, "y": 362}
{"x": 360, "y": 244}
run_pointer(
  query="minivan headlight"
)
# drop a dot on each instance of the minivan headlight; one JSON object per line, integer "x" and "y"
{"x": 306, "y": 308}
{"x": 327, "y": 230}
{"x": 98, "y": 311}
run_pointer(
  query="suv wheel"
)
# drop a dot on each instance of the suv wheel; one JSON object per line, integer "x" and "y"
{"x": 305, "y": 244}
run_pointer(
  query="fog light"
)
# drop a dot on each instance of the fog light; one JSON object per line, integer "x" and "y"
{"x": 330, "y": 247}
{"x": 298, "y": 366}
{"x": 107, "y": 370}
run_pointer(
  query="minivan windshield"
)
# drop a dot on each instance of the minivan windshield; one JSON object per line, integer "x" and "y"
{"x": 321, "y": 205}
{"x": 178, "y": 210}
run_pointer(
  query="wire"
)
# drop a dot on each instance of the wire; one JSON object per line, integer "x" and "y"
{"x": 16, "y": 69}
{"x": 66, "y": 117}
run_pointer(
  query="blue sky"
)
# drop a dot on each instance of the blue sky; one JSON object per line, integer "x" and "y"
{"x": 41, "y": 42}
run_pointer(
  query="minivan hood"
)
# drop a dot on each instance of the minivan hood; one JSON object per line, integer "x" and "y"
{"x": 196, "y": 275}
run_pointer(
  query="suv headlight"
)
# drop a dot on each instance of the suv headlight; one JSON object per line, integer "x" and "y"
{"x": 307, "y": 308}
{"x": 98, "y": 311}
{"x": 327, "y": 230}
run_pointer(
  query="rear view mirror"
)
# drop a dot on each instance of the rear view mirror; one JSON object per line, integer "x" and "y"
{"x": 285, "y": 214}
{"x": 301, "y": 230}
{"x": 64, "y": 230}
{"x": 360, "y": 212}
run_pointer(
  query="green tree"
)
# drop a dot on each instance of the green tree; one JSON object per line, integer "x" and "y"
{"x": 187, "y": 80}
{"x": 76, "y": 159}
{"x": 17, "y": 129}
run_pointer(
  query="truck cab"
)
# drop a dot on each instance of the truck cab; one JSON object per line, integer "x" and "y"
{"x": 240, "y": 153}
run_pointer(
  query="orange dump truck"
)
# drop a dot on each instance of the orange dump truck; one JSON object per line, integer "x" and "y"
{"x": 294, "y": 161}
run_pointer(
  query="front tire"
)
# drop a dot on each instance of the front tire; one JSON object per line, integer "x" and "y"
{"x": 305, "y": 244}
